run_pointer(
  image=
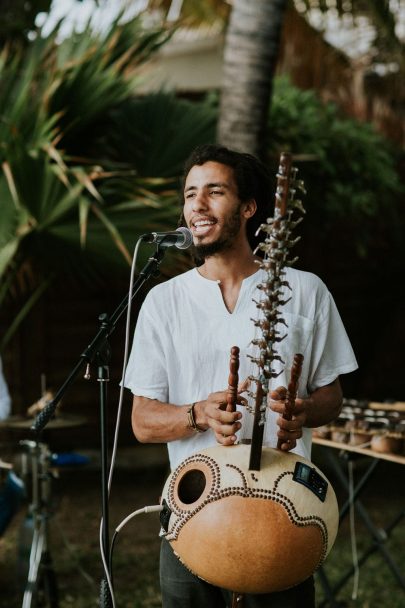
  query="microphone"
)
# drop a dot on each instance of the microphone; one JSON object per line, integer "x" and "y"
{"x": 181, "y": 238}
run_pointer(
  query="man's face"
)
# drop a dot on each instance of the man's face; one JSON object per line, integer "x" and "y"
{"x": 212, "y": 208}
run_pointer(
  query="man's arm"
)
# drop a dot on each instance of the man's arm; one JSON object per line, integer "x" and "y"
{"x": 321, "y": 407}
{"x": 156, "y": 422}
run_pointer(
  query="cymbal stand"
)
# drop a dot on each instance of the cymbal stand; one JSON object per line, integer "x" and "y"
{"x": 41, "y": 587}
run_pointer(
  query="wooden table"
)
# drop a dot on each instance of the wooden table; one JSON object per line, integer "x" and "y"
{"x": 364, "y": 451}
{"x": 338, "y": 455}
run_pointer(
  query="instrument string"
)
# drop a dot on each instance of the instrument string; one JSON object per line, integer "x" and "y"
{"x": 353, "y": 538}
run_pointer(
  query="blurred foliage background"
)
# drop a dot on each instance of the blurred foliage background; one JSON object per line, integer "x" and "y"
{"x": 88, "y": 164}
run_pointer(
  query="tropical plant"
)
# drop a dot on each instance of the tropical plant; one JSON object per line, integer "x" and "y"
{"x": 81, "y": 180}
{"x": 55, "y": 191}
{"x": 163, "y": 130}
{"x": 349, "y": 169}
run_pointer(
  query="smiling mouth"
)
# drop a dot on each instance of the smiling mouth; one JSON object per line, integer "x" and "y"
{"x": 202, "y": 227}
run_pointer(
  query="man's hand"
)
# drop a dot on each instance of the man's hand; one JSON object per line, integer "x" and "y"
{"x": 212, "y": 413}
{"x": 289, "y": 430}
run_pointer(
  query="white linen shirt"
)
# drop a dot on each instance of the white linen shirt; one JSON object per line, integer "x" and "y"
{"x": 184, "y": 335}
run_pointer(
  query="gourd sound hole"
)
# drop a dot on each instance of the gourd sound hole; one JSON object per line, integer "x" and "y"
{"x": 191, "y": 486}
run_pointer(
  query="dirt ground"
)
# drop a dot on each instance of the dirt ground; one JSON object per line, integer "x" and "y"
{"x": 138, "y": 481}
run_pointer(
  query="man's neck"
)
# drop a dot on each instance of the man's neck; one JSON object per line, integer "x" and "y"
{"x": 229, "y": 268}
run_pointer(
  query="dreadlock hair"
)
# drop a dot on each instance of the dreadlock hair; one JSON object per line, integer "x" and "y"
{"x": 252, "y": 178}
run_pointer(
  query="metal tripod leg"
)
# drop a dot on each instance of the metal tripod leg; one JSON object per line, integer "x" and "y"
{"x": 41, "y": 588}
{"x": 37, "y": 547}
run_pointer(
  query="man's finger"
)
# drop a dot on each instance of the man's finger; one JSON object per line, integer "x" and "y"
{"x": 279, "y": 393}
{"x": 288, "y": 444}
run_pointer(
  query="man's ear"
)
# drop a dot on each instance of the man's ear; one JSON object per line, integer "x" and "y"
{"x": 249, "y": 208}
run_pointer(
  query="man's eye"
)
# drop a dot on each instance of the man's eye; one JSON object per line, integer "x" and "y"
{"x": 216, "y": 192}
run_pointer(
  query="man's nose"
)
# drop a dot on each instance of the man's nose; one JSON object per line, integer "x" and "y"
{"x": 200, "y": 201}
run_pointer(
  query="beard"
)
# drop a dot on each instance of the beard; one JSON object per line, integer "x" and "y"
{"x": 224, "y": 242}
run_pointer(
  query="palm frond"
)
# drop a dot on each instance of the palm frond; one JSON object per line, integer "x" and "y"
{"x": 84, "y": 207}
{"x": 157, "y": 132}
{"x": 7, "y": 253}
{"x": 65, "y": 206}
{"x": 95, "y": 73}
{"x": 23, "y": 117}
{"x": 113, "y": 231}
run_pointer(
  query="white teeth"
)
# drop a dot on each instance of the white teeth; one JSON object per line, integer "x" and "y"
{"x": 204, "y": 223}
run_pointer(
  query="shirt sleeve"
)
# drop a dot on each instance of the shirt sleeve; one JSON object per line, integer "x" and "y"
{"x": 146, "y": 372}
{"x": 332, "y": 353}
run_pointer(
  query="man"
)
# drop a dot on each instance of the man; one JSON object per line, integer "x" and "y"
{"x": 180, "y": 356}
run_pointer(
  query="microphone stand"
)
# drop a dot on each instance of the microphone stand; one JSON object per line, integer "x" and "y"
{"x": 99, "y": 350}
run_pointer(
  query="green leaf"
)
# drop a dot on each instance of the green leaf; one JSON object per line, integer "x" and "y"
{"x": 114, "y": 233}
{"x": 7, "y": 252}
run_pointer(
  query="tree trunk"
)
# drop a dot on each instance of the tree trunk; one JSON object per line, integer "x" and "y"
{"x": 251, "y": 50}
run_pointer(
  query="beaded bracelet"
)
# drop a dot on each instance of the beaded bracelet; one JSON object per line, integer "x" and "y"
{"x": 191, "y": 420}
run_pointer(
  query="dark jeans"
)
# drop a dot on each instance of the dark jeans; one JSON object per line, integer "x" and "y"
{"x": 181, "y": 589}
